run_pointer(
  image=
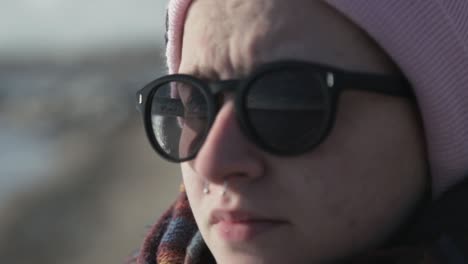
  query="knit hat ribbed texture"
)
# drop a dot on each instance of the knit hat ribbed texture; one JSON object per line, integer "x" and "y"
{"x": 428, "y": 40}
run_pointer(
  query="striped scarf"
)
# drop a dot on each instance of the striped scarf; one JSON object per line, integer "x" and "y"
{"x": 174, "y": 239}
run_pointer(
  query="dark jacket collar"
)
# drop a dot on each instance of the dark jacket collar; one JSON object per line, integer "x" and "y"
{"x": 440, "y": 227}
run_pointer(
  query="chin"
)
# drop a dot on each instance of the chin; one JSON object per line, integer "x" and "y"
{"x": 244, "y": 259}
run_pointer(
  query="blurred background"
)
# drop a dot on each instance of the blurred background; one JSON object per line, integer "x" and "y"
{"x": 78, "y": 181}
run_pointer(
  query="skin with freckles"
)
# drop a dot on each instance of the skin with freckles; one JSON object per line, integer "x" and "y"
{"x": 347, "y": 195}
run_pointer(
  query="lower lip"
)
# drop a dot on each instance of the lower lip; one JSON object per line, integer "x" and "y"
{"x": 245, "y": 230}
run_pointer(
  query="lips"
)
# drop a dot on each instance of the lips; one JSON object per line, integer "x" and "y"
{"x": 242, "y": 226}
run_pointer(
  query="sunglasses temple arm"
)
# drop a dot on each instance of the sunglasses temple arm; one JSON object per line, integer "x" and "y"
{"x": 390, "y": 85}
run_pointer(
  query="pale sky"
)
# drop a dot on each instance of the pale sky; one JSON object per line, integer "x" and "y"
{"x": 68, "y": 26}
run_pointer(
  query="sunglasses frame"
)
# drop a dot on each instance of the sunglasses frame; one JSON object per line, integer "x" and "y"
{"x": 333, "y": 80}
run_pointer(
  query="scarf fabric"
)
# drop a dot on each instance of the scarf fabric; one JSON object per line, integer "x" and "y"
{"x": 174, "y": 239}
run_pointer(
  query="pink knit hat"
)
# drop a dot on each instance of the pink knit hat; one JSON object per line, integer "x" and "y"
{"x": 428, "y": 40}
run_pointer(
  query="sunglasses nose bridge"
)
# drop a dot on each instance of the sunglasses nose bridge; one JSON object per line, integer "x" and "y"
{"x": 218, "y": 87}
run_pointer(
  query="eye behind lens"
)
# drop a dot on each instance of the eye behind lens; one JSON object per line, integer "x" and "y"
{"x": 287, "y": 111}
{"x": 179, "y": 119}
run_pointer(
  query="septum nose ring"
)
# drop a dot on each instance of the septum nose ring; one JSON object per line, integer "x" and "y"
{"x": 206, "y": 188}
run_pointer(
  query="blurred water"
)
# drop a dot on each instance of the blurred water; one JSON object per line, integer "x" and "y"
{"x": 24, "y": 160}
{"x": 43, "y": 103}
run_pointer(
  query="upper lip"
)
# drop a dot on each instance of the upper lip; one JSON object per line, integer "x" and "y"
{"x": 239, "y": 216}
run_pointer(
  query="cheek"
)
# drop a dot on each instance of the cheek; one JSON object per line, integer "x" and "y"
{"x": 378, "y": 159}
{"x": 361, "y": 183}
{"x": 193, "y": 186}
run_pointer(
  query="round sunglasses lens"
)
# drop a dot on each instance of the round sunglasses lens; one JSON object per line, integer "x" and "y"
{"x": 287, "y": 110}
{"x": 179, "y": 117}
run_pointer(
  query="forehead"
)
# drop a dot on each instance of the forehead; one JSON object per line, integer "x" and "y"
{"x": 227, "y": 39}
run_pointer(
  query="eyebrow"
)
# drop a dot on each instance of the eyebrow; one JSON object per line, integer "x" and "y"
{"x": 207, "y": 74}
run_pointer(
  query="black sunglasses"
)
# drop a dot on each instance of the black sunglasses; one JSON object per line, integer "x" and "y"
{"x": 285, "y": 107}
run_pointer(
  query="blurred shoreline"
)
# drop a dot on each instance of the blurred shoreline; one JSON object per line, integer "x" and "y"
{"x": 78, "y": 180}
{"x": 43, "y": 99}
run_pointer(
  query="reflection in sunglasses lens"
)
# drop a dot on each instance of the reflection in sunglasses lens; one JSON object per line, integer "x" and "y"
{"x": 179, "y": 117}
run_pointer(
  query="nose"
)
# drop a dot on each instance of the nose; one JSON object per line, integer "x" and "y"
{"x": 226, "y": 153}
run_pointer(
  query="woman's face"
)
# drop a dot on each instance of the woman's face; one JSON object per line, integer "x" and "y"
{"x": 348, "y": 194}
